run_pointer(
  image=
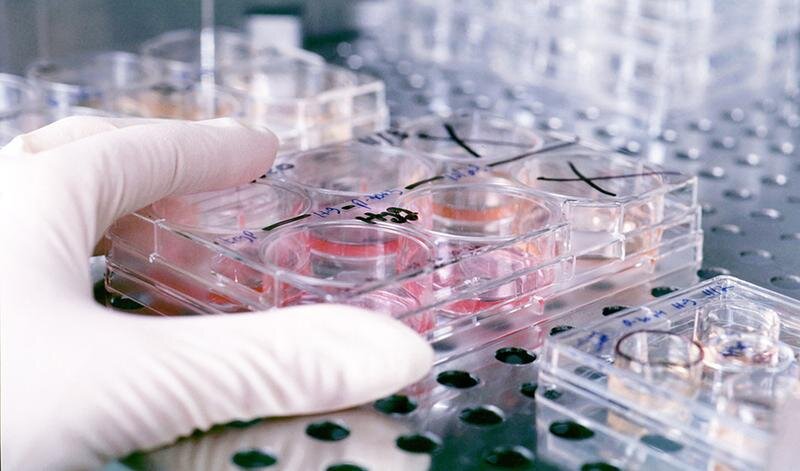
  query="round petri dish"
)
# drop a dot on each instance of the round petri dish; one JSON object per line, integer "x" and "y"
{"x": 604, "y": 193}
{"x": 475, "y": 227}
{"x": 470, "y": 138}
{"x": 479, "y": 213}
{"x": 86, "y": 79}
{"x": 663, "y": 359}
{"x": 339, "y": 173}
{"x": 176, "y": 100}
{"x": 289, "y": 92}
{"x": 611, "y": 177}
{"x": 248, "y": 207}
{"x": 276, "y": 78}
{"x": 231, "y": 218}
{"x": 177, "y": 53}
{"x": 345, "y": 254}
{"x": 740, "y": 336}
{"x": 401, "y": 302}
{"x": 317, "y": 262}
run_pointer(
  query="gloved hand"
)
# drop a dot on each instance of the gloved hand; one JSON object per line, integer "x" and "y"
{"x": 80, "y": 383}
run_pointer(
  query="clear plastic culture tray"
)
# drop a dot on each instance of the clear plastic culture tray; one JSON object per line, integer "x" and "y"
{"x": 647, "y": 59}
{"x": 87, "y": 79}
{"x": 177, "y": 54}
{"x": 319, "y": 103}
{"x": 601, "y": 192}
{"x": 691, "y": 380}
{"x": 441, "y": 245}
{"x": 121, "y": 83}
{"x": 304, "y": 100}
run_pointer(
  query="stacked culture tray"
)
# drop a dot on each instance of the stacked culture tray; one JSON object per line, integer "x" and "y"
{"x": 466, "y": 228}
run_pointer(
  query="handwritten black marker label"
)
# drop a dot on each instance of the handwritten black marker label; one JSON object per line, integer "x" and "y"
{"x": 392, "y": 137}
{"x": 392, "y": 214}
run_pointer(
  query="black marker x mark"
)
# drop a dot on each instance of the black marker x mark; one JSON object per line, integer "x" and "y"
{"x": 590, "y": 181}
{"x": 491, "y": 142}
{"x": 452, "y": 133}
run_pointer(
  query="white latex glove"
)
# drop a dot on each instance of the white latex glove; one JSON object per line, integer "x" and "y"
{"x": 82, "y": 384}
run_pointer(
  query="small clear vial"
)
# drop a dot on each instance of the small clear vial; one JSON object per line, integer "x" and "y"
{"x": 738, "y": 335}
{"x": 655, "y": 360}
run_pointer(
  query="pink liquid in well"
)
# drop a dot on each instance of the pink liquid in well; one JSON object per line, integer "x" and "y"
{"x": 394, "y": 302}
{"x": 399, "y": 301}
{"x": 341, "y": 259}
{"x": 230, "y": 218}
{"x": 190, "y": 289}
{"x": 492, "y": 266}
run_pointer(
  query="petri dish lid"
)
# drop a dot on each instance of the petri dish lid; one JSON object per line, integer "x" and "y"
{"x": 248, "y": 207}
{"x": 101, "y": 70}
{"x": 590, "y": 176}
{"x": 470, "y": 138}
{"x": 353, "y": 170}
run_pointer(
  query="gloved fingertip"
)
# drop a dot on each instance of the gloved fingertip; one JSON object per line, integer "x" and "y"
{"x": 224, "y": 122}
{"x": 420, "y": 356}
{"x": 230, "y": 122}
{"x": 390, "y": 340}
{"x": 15, "y": 147}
